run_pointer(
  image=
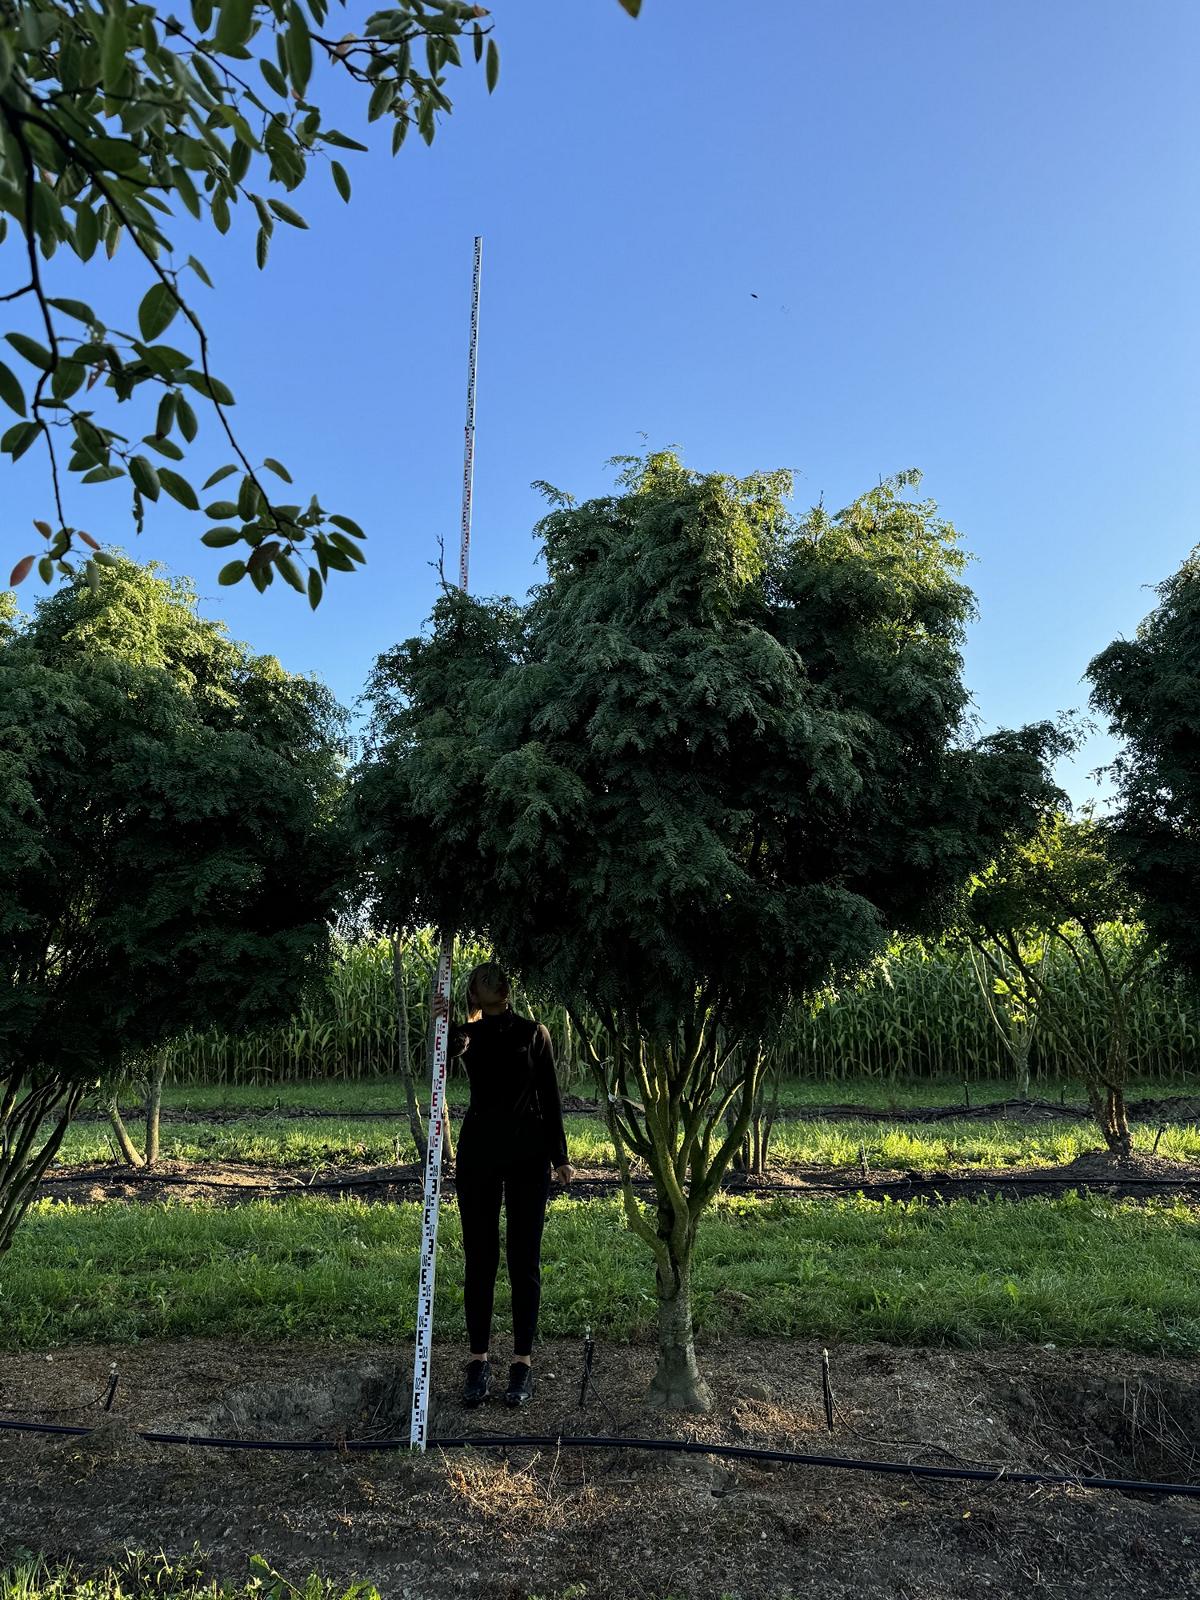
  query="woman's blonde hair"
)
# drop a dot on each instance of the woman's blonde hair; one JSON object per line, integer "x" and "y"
{"x": 488, "y": 984}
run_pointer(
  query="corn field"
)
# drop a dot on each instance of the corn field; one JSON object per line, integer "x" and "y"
{"x": 351, "y": 1031}
{"x": 917, "y": 1013}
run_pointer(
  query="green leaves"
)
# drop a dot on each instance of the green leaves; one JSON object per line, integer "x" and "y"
{"x": 234, "y": 25}
{"x": 298, "y": 46}
{"x": 36, "y": 354}
{"x": 178, "y": 488}
{"x": 18, "y": 439}
{"x": 11, "y": 392}
{"x": 140, "y": 127}
{"x": 286, "y": 214}
{"x": 157, "y": 310}
{"x": 232, "y": 572}
{"x": 632, "y": 6}
{"x": 145, "y": 476}
{"x": 115, "y": 45}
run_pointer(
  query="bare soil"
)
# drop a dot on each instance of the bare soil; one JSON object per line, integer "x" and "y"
{"x": 623, "y": 1525}
{"x": 1167, "y": 1109}
{"x": 232, "y": 1182}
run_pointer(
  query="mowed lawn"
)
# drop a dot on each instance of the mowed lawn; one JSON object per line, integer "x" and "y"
{"x": 1076, "y": 1270}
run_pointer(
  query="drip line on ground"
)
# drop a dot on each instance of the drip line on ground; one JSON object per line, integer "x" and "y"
{"x": 850, "y": 1186}
{"x": 737, "y": 1452}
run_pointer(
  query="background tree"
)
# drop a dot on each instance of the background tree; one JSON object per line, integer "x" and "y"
{"x": 113, "y": 117}
{"x": 165, "y": 800}
{"x": 1063, "y": 889}
{"x": 710, "y": 765}
{"x": 1150, "y": 689}
{"x": 1005, "y": 995}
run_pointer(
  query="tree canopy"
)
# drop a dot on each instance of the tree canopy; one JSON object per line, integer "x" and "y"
{"x": 1064, "y": 886}
{"x": 164, "y": 806}
{"x": 1149, "y": 687}
{"x": 711, "y": 734}
{"x": 715, "y": 760}
{"x": 117, "y": 117}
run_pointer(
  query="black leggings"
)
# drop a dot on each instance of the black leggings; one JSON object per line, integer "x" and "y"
{"x": 524, "y": 1187}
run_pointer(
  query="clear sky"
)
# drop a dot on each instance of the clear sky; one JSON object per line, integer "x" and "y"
{"x": 973, "y": 231}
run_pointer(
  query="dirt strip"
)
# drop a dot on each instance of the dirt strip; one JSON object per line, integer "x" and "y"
{"x": 1140, "y": 1178}
{"x": 1171, "y": 1109}
{"x": 613, "y": 1525}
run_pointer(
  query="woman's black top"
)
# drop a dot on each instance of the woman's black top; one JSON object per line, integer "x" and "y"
{"x": 515, "y": 1109}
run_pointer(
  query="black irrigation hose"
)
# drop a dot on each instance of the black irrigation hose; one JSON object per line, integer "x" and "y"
{"x": 693, "y": 1447}
{"x": 920, "y": 1115}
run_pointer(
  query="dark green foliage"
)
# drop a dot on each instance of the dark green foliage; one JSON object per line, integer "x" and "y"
{"x": 1149, "y": 687}
{"x": 164, "y": 802}
{"x": 711, "y": 765}
{"x": 716, "y": 751}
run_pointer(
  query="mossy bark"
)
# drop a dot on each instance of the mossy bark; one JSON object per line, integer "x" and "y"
{"x": 677, "y": 1384}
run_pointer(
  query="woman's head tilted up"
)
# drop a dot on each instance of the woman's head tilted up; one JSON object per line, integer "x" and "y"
{"x": 487, "y": 991}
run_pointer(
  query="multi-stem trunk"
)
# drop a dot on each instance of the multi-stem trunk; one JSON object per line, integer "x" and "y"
{"x": 677, "y": 1384}
{"x": 24, "y": 1111}
{"x": 128, "y": 1149}
{"x": 1106, "y": 1095}
{"x": 667, "y": 1106}
{"x": 154, "y": 1089}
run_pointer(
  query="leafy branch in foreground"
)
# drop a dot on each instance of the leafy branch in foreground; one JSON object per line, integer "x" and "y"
{"x": 111, "y": 118}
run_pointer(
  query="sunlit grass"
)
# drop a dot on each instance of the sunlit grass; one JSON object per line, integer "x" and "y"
{"x": 343, "y": 1097}
{"x": 274, "y": 1141}
{"x": 1073, "y": 1270}
{"x": 141, "y": 1574}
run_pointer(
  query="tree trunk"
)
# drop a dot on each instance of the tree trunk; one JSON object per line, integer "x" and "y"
{"x": 415, "y": 1125}
{"x": 128, "y": 1149}
{"x": 21, "y": 1164}
{"x": 677, "y": 1384}
{"x": 154, "y": 1089}
{"x": 1114, "y": 1123}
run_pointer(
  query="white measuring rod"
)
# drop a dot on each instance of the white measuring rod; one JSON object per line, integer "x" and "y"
{"x": 419, "y": 1430}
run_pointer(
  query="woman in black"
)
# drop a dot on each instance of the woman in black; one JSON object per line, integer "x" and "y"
{"x": 512, "y": 1135}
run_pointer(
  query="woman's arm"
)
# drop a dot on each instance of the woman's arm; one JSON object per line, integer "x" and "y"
{"x": 546, "y": 1083}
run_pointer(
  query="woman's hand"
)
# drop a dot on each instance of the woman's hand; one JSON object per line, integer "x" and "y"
{"x": 565, "y": 1173}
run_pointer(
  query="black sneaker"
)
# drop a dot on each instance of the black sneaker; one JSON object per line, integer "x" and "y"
{"x": 520, "y": 1384}
{"x": 475, "y": 1389}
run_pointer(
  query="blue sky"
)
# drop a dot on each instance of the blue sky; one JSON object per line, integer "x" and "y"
{"x": 972, "y": 230}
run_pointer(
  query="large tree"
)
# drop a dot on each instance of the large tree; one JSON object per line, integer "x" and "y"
{"x": 116, "y": 116}
{"x": 165, "y": 856}
{"x": 1149, "y": 687}
{"x": 710, "y": 765}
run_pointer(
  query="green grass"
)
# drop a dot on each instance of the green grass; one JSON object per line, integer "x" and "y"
{"x": 339, "y": 1141}
{"x": 1074, "y": 1270}
{"x": 141, "y": 1574}
{"x": 386, "y": 1094}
